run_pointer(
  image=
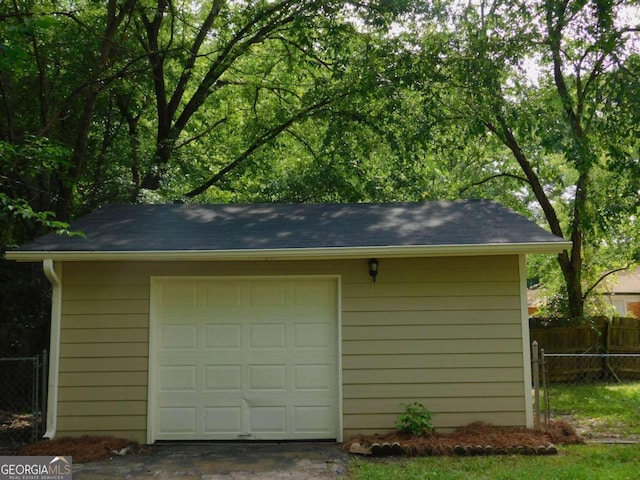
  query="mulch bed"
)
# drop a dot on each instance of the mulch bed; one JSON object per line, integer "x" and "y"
{"x": 475, "y": 439}
{"x": 82, "y": 449}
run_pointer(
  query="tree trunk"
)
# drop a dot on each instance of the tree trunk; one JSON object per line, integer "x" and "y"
{"x": 570, "y": 262}
{"x": 67, "y": 185}
{"x": 172, "y": 120}
{"x": 573, "y": 282}
{"x": 582, "y": 158}
{"x": 116, "y": 15}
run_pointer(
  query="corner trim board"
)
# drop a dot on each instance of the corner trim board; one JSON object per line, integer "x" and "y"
{"x": 526, "y": 343}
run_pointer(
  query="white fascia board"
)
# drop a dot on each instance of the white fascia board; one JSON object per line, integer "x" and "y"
{"x": 295, "y": 253}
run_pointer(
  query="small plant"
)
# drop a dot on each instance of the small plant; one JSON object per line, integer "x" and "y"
{"x": 415, "y": 419}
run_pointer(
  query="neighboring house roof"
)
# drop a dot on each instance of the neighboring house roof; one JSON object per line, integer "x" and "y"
{"x": 183, "y": 231}
{"x": 625, "y": 282}
{"x": 622, "y": 283}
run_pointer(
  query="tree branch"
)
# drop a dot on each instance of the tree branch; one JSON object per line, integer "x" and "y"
{"x": 297, "y": 46}
{"x": 80, "y": 89}
{"x": 509, "y": 139}
{"x": 187, "y": 71}
{"x": 554, "y": 31}
{"x": 206, "y": 131}
{"x": 236, "y": 47}
{"x": 592, "y": 287}
{"x": 492, "y": 177}
{"x": 303, "y": 142}
{"x": 259, "y": 142}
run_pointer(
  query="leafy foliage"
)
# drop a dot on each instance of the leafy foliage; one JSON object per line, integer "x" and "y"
{"x": 531, "y": 103}
{"x": 531, "y": 91}
{"x": 25, "y": 296}
{"x": 415, "y": 419}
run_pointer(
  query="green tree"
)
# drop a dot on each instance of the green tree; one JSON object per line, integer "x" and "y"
{"x": 551, "y": 83}
{"x": 156, "y": 100}
{"x": 248, "y": 74}
{"x": 61, "y": 58}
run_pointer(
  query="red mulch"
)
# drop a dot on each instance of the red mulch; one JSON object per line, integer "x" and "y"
{"x": 476, "y": 439}
{"x": 82, "y": 449}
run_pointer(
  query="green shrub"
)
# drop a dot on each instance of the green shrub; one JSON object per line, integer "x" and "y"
{"x": 415, "y": 419}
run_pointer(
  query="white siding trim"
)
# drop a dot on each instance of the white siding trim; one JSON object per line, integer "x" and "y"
{"x": 152, "y": 371}
{"x": 339, "y": 352}
{"x": 526, "y": 342}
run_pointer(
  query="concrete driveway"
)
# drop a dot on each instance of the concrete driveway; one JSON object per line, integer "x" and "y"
{"x": 222, "y": 461}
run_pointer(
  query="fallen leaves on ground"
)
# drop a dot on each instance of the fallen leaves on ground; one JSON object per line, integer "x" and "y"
{"x": 12, "y": 421}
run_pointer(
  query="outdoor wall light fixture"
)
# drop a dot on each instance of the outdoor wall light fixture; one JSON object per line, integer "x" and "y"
{"x": 373, "y": 268}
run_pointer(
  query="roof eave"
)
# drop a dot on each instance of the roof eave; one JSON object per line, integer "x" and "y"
{"x": 325, "y": 253}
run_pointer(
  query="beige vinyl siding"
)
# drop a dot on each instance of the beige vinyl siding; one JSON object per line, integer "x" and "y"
{"x": 442, "y": 331}
{"x": 103, "y": 354}
{"x": 445, "y": 332}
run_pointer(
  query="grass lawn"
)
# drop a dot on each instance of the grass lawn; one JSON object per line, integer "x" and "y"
{"x": 598, "y": 410}
{"x": 576, "y": 462}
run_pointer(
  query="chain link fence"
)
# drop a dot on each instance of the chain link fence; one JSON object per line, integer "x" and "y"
{"x": 23, "y": 398}
{"x": 574, "y": 385}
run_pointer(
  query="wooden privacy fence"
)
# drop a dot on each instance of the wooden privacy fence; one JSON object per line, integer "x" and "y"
{"x": 609, "y": 337}
{"x": 617, "y": 335}
{"x": 623, "y": 335}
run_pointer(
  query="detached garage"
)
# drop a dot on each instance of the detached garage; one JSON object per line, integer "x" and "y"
{"x": 279, "y": 322}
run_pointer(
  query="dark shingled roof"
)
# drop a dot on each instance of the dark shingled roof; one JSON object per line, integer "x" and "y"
{"x": 251, "y": 227}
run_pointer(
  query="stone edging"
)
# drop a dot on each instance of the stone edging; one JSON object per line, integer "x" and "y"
{"x": 397, "y": 449}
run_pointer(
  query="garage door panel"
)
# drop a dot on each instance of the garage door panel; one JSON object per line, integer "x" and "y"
{"x": 222, "y": 336}
{"x": 179, "y": 337}
{"x": 185, "y": 318}
{"x": 315, "y": 419}
{"x": 319, "y": 296}
{"x": 313, "y": 335}
{"x": 272, "y": 420}
{"x": 178, "y": 378}
{"x": 222, "y": 420}
{"x": 177, "y": 420}
{"x": 179, "y": 298}
{"x": 219, "y": 378}
{"x": 222, "y": 296}
{"x": 177, "y": 399}
{"x": 174, "y": 358}
{"x": 250, "y": 359}
{"x": 313, "y": 377}
{"x": 270, "y": 336}
{"x": 267, "y": 377}
{"x": 264, "y": 295}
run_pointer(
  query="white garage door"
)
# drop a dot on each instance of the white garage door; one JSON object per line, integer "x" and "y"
{"x": 243, "y": 359}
